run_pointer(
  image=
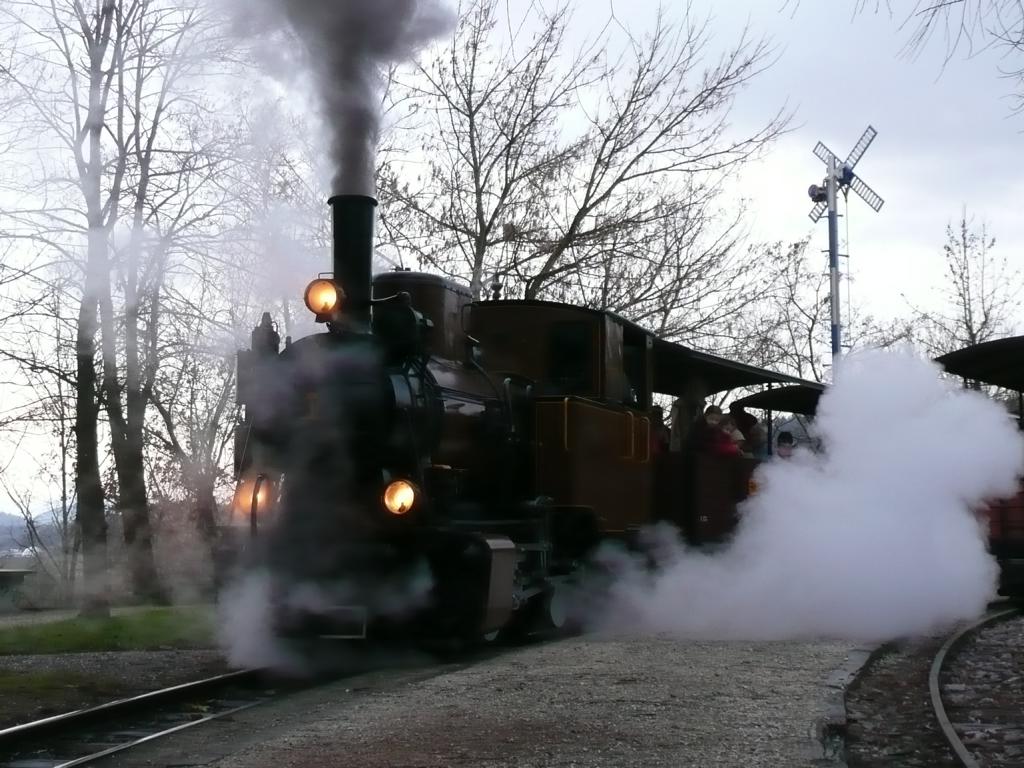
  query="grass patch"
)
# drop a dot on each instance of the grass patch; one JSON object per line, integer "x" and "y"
{"x": 42, "y": 684}
{"x": 142, "y": 630}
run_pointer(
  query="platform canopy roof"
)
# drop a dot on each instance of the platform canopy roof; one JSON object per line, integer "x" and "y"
{"x": 675, "y": 366}
{"x": 999, "y": 362}
{"x": 801, "y": 399}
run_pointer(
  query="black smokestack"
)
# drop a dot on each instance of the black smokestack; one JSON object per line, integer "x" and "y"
{"x": 353, "y": 219}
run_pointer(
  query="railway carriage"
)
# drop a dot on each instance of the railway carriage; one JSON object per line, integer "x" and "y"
{"x": 999, "y": 363}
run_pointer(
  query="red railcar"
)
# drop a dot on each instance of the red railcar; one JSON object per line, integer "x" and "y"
{"x": 1006, "y": 540}
{"x": 999, "y": 363}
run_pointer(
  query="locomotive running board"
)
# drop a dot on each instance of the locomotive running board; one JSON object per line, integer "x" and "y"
{"x": 351, "y": 620}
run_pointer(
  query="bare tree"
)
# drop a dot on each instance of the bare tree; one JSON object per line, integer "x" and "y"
{"x": 45, "y": 364}
{"x": 968, "y": 26}
{"x": 548, "y": 169}
{"x": 677, "y": 275}
{"x": 980, "y": 296}
{"x": 52, "y": 538}
{"x": 193, "y": 396}
{"x": 279, "y": 229}
{"x": 107, "y": 86}
{"x": 490, "y": 111}
{"x": 793, "y": 319}
{"x": 268, "y": 244}
{"x": 74, "y": 63}
{"x": 788, "y": 327}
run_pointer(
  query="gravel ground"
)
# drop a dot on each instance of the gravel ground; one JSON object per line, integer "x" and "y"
{"x": 48, "y": 684}
{"x": 598, "y": 703}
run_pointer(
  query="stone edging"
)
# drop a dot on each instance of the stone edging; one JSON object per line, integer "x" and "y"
{"x": 828, "y": 733}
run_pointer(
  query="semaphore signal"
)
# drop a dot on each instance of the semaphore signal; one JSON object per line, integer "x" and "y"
{"x": 839, "y": 178}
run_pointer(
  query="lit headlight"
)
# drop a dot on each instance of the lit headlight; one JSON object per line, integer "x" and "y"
{"x": 253, "y": 490}
{"x": 323, "y": 297}
{"x": 399, "y": 497}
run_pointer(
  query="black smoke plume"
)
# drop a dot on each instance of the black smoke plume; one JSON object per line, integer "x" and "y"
{"x": 347, "y": 46}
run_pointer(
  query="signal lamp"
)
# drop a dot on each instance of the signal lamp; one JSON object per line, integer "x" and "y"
{"x": 323, "y": 297}
{"x": 399, "y": 497}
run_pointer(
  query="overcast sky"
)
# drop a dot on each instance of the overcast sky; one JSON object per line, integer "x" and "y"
{"x": 945, "y": 137}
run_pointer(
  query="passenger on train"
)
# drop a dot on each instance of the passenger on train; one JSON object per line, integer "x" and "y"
{"x": 704, "y": 429}
{"x": 686, "y": 413}
{"x": 714, "y": 434}
{"x": 757, "y": 442}
{"x": 684, "y": 419}
{"x": 660, "y": 436}
{"x": 744, "y": 421}
{"x": 785, "y": 444}
{"x": 679, "y": 425}
{"x": 726, "y": 440}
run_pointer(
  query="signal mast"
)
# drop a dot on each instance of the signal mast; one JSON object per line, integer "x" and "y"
{"x": 839, "y": 177}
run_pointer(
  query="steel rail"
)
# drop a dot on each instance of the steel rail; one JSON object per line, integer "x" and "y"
{"x": 954, "y": 641}
{"x": 86, "y": 759}
{"x": 18, "y": 735}
{"x": 65, "y": 719}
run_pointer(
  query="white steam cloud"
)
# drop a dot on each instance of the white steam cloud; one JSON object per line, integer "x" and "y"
{"x": 251, "y": 604}
{"x": 347, "y": 45}
{"x": 872, "y": 540}
{"x": 245, "y": 626}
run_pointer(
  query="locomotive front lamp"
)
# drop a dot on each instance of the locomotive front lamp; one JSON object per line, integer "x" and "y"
{"x": 252, "y": 492}
{"x": 399, "y": 497}
{"x": 323, "y": 297}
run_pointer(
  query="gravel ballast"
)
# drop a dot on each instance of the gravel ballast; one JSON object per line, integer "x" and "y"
{"x": 584, "y": 702}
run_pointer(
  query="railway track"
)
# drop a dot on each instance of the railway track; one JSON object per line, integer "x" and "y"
{"x": 976, "y": 686}
{"x": 87, "y": 735}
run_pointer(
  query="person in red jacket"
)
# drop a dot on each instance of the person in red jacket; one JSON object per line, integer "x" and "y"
{"x": 724, "y": 440}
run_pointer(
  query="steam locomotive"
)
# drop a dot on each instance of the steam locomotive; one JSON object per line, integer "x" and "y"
{"x": 445, "y": 465}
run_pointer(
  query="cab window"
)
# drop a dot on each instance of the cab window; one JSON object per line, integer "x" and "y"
{"x": 571, "y": 357}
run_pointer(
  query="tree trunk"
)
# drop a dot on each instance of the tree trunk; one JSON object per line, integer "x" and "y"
{"x": 90, "y": 514}
{"x": 128, "y": 441}
{"x": 206, "y": 513}
{"x": 138, "y": 533}
{"x": 205, "y": 516}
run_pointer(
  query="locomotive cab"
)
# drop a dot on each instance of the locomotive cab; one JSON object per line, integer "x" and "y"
{"x": 590, "y": 428}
